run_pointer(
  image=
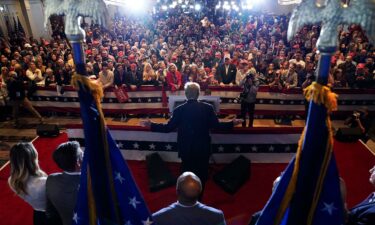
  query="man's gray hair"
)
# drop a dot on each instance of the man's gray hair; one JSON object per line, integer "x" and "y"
{"x": 192, "y": 90}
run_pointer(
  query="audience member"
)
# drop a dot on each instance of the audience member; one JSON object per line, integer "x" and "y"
{"x": 364, "y": 212}
{"x": 27, "y": 180}
{"x": 188, "y": 210}
{"x": 62, "y": 188}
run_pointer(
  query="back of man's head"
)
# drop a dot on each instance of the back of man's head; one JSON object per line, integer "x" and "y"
{"x": 68, "y": 156}
{"x": 192, "y": 90}
{"x": 189, "y": 188}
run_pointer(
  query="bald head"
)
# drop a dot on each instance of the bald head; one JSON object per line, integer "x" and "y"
{"x": 188, "y": 188}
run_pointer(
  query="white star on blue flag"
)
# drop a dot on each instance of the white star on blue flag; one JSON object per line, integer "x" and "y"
{"x": 133, "y": 201}
{"x": 329, "y": 208}
{"x": 119, "y": 177}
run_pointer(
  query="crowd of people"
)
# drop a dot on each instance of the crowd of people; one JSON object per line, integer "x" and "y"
{"x": 171, "y": 50}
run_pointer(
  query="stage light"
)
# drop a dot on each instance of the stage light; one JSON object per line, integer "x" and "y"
{"x": 164, "y": 7}
{"x": 183, "y": 6}
{"x": 136, "y": 6}
{"x": 1, "y": 8}
{"x": 179, "y": 1}
{"x": 197, "y": 7}
{"x": 191, "y": 6}
{"x": 218, "y": 6}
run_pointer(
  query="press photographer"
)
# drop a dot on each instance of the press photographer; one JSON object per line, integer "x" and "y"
{"x": 360, "y": 121}
{"x": 248, "y": 96}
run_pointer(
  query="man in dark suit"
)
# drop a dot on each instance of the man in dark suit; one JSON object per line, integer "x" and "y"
{"x": 193, "y": 121}
{"x": 364, "y": 212}
{"x": 62, "y": 188}
{"x": 226, "y": 73}
{"x": 133, "y": 77}
{"x": 188, "y": 210}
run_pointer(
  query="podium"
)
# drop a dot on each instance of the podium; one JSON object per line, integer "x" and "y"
{"x": 176, "y": 100}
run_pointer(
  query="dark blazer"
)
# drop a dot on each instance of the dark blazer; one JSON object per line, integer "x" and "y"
{"x": 199, "y": 214}
{"x": 363, "y": 213}
{"x": 193, "y": 121}
{"x": 119, "y": 79}
{"x": 137, "y": 80}
{"x": 222, "y": 76}
{"x": 62, "y": 189}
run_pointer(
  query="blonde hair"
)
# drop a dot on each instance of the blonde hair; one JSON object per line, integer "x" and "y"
{"x": 23, "y": 165}
{"x": 150, "y": 73}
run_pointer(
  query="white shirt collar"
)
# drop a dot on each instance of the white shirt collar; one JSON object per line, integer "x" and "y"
{"x": 187, "y": 206}
{"x": 72, "y": 173}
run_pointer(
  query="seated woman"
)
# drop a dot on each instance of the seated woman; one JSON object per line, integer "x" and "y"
{"x": 149, "y": 75}
{"x": 27, "y": 180}
{"x": 174, "y": 80}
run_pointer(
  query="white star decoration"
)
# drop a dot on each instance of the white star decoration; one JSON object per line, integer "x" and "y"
{"x": 271, "y": 101}
{"x": 119, "y": 177}
{"x": 149, "y": 100}
{"x": 47, "y": 99}
{"x": 120, "y": 145}
{"x": 65, "y": 99}
{"x": 152, "y": 146}
{"x": 39, "y": 99}
{"x": 287, "y": 148}
{"x": 139, "y": 100}
{"x": 291, "y": 102}
{"x": 282, "y": 102}
{"x": 230, "y": 100}
{"x": 238, "y": 149}
{"x": 271, "y": 148}
{"x": 302, "y": 102}
{"x": 129, "y": 100}
{"x": 261, "y": 101}
{"x": 220, "y": 148}
{"x": 147, "y": 222}
{"x": 75, "y": 218}
{"x": 136, "y": 145}
{"x": 254, "y": 148}
{"x": 342, "y": 102}
{"x": 110, "y": 100}
{"x": 133, "y": 201}
{"x": 168, "y": 147}
{"x": 56, "y": 99}
{"x": 329, "y": 208}
{"x": 159, "y": 99}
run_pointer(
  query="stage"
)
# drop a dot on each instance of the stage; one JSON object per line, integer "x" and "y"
{"x": 353, "y": 159}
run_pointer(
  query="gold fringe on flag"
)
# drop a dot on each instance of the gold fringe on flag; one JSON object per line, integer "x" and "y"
{"x": 319, "y": 94}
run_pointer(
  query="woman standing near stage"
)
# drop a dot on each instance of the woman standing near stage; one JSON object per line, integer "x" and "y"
{"x": 27, "y": 180}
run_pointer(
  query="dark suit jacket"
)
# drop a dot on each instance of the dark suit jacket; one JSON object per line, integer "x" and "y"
{"x": 199, "y": 214}
{"x": 224, "y": 77}
{"x": 363, "y": 213}
{"x": 62, "y": 189}
{"x": 137, "y": 80}
{"x": 119, "y": 79}
{"x": 193, "y": 119}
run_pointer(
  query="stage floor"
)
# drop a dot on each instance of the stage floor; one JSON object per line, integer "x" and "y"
{"x": 26, "y": 132}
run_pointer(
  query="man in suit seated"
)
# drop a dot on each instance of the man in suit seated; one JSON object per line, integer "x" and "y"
{"x": 188, "y": 210}
{"x": 62, "y": 188}
{"x": 364, "y": 212}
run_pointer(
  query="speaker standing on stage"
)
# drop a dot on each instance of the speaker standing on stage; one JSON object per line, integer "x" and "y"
{"x": 193, "y": 121}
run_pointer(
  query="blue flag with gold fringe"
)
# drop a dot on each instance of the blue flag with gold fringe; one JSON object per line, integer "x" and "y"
{"x": 309, "y": 191}
{"x": 108, "y": 193}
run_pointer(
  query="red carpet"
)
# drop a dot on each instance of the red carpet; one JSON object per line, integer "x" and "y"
{"x": 353, "y": 160}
